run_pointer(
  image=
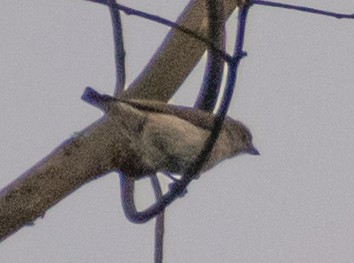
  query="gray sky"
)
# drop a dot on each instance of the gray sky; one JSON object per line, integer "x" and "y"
{"x": 294, "y": 203}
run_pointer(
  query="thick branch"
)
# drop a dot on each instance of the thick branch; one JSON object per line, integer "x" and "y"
{"x": 90, "y": 154}
{"x": 176, "y": 57}
{"x": 95, "y": 151}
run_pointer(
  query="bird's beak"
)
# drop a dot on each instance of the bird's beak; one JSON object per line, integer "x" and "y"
{"x": 253, "y": 151}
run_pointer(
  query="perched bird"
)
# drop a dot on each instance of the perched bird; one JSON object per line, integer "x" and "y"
{"x": 169, "y": 138}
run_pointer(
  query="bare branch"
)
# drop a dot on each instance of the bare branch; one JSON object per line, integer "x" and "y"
{"x": 207, "y": 98}
{"x": 91, "y": 153}
{"x": 120, "y": 82}
{"x": 304, "y": 9}
{"x": 215, "y": 65}
{"x": 160, "y": 222}
{"x": 176, "y": 57}
{"x": 179, "y": 52}
{"x": 81, "y": 159}
{"x": 195, "y": 168}
{"x": 119, "y": 52}
{"x": 178, "y": 188}
{"x": 96, "y": 99}
{"x": 166, "y": 22}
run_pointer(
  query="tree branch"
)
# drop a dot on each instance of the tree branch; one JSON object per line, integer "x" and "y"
{"x": 83, "y": 158}
{"x": 95, "y": 151}
{"x": 176, "y": 57}
{"x": 208, "y": 94}
{"x": 119, "y": 52}
{"x": 304, "y": 9}
{"x": 159, "y": 223}
{"x": 166, "y": 22}
{"x": 178, "y": 188}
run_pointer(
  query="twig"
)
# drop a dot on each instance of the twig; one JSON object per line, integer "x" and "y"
{"x": 166, "y": 22}
{"x": 120, "y": 83}
{"x": 159, "y": 223}
{"x": 304, "y": 9}
{"x": 127, "y": 183}
{"x": 185, "y": 50}
{"x": 119, "y": 52}
{"x": 215, "y": 65}
{"x": 96, "y": 99}
{"x": 73, "y": 163}
{"x": 206, "y": 99}
{"x": 221, "y": 114}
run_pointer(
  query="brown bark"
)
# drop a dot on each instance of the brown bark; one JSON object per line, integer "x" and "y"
{"x": 102, "y": 146}
{"x": 78, "y": 160}
{"x": 176, "y": 57}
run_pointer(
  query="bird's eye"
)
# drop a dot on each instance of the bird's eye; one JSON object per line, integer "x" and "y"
{"x": 244, "y": 138}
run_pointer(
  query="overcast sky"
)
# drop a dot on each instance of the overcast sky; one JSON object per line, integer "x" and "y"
{"x": 294, "y": 203}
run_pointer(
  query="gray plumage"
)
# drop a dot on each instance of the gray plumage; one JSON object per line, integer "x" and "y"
{"x": 169, "y": 138}
{"x": 173, "y": 136}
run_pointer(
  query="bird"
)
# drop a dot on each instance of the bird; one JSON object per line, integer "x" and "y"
{"x": 169, "y": 138}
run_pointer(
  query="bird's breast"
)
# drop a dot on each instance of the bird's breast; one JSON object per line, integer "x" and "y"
{"x": 170, "y": 143}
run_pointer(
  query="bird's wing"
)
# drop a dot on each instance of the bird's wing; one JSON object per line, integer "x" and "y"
{"x": 197, "y": 117}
